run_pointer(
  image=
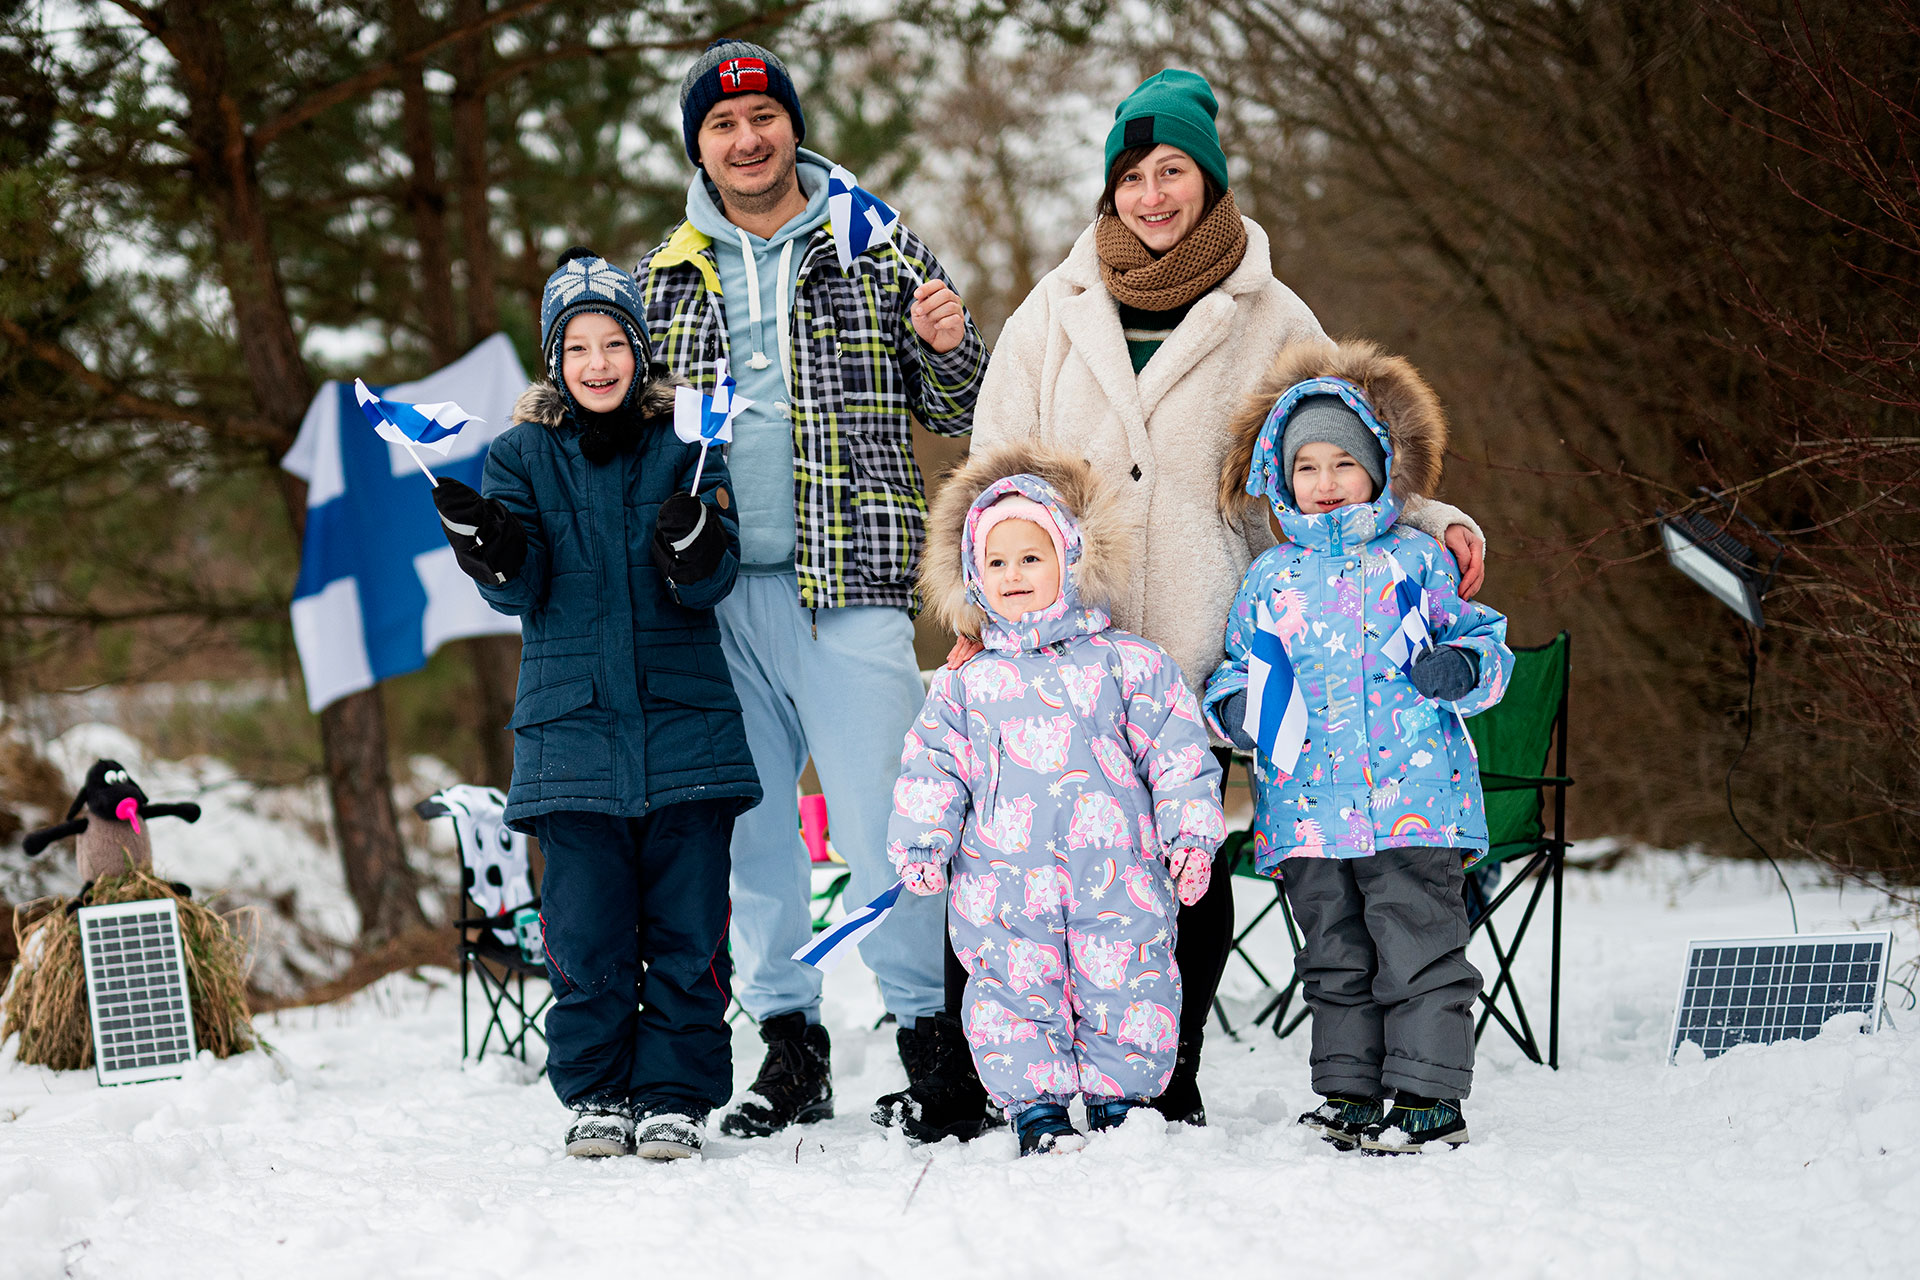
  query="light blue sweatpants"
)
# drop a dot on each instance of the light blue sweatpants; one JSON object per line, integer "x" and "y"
{"x": 845, "y": 698}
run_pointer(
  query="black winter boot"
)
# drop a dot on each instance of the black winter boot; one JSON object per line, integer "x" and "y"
{"x": 795, "y": 1084}
{"x": 944, "y": 1097}
{"x": 1180, "y": 1101}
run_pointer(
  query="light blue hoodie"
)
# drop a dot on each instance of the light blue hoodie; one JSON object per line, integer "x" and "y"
{"x": 761, "y": 456}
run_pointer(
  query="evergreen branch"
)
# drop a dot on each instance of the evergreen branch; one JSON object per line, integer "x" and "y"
{"x": 131, "y": 402}
{"x": 506, "y": 71}
{"x": 372, "y": 77}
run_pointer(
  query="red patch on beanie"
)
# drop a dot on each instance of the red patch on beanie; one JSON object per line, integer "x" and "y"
{"x": 743, "y": 75}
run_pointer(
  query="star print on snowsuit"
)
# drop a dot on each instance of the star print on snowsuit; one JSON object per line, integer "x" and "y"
{"x": 1054, "y": 772}
{"x": 1383, "y": 767}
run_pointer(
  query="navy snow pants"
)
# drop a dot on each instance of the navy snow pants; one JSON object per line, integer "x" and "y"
{"x": 634, "y": 912}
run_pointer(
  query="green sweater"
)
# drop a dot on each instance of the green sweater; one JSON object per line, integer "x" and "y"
{"x": 1146, "y": 330}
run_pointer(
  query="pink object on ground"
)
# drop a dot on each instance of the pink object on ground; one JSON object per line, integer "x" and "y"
{"x": 813, "y": 827}
{"x": 128, "y": 810}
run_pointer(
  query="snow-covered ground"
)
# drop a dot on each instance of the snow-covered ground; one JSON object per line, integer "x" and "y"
{"x": 361, "y": 1146}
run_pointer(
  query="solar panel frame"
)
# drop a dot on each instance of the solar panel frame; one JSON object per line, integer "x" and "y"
{"x": 137, "y": 999}
{"x": 1807, "y": 979}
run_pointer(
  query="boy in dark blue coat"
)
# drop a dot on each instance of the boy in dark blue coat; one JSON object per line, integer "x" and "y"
{"x": 630, "y": 760}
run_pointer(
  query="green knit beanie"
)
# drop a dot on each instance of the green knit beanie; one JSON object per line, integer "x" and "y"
{"x": 1174, "y": 107}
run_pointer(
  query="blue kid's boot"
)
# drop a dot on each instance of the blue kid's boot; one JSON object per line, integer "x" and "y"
{"x": 1110, "y": 1113}
{"x": 1044, "y": 1129}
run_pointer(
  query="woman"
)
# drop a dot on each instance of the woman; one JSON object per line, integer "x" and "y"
{"x": 1134, "y": 353}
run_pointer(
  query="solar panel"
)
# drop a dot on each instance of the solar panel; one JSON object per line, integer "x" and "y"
{"x": 1761, "y": 990}
{"x": 136, "y": 990}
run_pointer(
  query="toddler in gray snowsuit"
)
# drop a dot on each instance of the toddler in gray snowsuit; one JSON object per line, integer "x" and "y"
{"x": 1063, "y": 776}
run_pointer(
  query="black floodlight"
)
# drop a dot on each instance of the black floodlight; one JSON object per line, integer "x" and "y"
{"x": 1725, "y": 564}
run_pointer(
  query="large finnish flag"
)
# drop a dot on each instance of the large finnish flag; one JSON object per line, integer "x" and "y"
{"x": 1276, "y": 715}
{"x": 830, "y": 946}
{"x": 379, "y": 589}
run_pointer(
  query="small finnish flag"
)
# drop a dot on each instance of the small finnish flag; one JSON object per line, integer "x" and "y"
{"x": 830, "y": 946}
{"x": 702, "y": 419}
{"x": 431, "y": 426}
{"x": 1410, "y": 637}
{"x": 861, "y": 220}
{"x": 1276, "y": 717}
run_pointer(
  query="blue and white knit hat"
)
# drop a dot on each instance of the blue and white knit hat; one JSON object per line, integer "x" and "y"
{"x": 729, "y": 67}
{"x": 586, "y": 282}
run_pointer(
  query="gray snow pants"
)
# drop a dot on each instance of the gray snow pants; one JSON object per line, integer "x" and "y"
{"x": 1384, "y": 969}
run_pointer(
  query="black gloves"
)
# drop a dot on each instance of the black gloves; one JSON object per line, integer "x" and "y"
{"x": 1445, "y": 673}
{"x": 1232, "y": 712}
{"x": 687, "y": 540}
{"x": 486, "y": 539}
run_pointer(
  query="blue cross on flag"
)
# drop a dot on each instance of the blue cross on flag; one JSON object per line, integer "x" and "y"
{"x": 379, "y": 589}
{"x": 1276, "y": 714}
{"x": 831, "y": 945}
{"x": 1410, "y": 637}
{"x": 706, "y": 420}
{"x": 861, "y": 220}
{"x": 431, "y": 426}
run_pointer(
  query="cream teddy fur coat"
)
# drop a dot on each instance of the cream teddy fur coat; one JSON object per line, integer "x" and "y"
{"x": 1061, "y": 378}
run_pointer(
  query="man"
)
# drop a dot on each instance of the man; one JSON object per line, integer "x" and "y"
{"x": 817, "y": 633}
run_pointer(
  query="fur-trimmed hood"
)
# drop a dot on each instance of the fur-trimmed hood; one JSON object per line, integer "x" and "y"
{"x": 542, "y": 402}
{"x": 1100, "y": 559}
{"x": 1395, "y": 397}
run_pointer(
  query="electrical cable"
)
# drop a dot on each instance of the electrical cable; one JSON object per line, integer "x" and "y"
{"x": 1753, "y": 668}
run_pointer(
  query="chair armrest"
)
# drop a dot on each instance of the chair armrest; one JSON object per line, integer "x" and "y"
{"x": 1520, "y": 782}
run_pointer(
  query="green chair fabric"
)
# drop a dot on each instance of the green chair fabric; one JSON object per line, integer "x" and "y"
{"x": 1513, "y": 739}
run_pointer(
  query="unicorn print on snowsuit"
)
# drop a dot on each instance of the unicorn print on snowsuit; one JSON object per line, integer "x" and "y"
{"x": 1072, "y": 760}
{"x": 1383, "y": 768}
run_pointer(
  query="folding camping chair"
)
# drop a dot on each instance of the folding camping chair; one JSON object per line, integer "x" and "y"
{"x": 1513, "y": 740}
{"x": 496, "y": 880}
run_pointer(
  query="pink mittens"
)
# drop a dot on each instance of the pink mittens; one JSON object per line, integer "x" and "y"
{"x": 924, "y": 878}
{"x": 1192, "y": 872}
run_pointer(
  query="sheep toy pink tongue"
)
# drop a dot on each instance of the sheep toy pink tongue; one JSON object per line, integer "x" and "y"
{"x": 128, "y": 810}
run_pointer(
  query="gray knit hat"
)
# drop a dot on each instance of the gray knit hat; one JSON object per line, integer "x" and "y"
{"x": 728, "y": 67}
{"x": 1327, "y": 419}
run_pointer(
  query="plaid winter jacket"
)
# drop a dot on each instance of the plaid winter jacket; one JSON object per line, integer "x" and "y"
{"x": 860, "y": 375}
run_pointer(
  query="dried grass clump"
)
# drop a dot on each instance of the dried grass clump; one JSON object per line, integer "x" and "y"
{"x": 46, "y": 1003}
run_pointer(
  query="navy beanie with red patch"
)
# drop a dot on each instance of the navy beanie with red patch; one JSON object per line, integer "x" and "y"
{"x": 729, "y": 67}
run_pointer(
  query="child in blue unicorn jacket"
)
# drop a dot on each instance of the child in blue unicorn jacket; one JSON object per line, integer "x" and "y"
{"x": 1064, "y": 775}
{"x": 1371, "y": 820}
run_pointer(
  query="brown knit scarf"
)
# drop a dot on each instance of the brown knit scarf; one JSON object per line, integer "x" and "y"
{"x": 1207, "y": 255}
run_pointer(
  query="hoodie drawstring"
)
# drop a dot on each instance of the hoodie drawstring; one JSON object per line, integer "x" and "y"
{"x": 783, "y": 319}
